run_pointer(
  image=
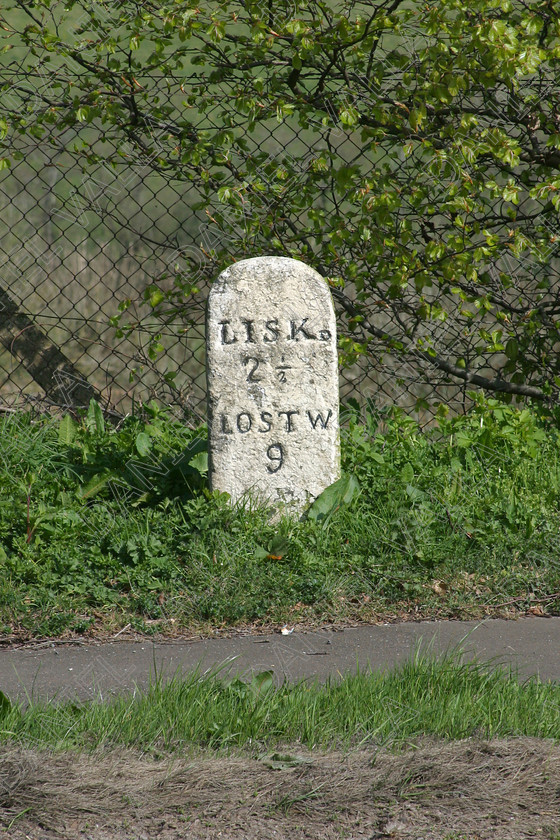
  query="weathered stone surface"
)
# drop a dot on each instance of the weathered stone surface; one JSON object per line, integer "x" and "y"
{"x": 272, "y": 382}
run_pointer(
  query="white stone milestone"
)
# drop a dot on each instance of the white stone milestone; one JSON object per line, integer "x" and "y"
{"x": 272, "y": 383}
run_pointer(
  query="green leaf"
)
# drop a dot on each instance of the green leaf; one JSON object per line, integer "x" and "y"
{"x": 95, "y": 485}
{"x": 260, "y": 553}
{"x": 156, "y": 298}
{"x": 199, "y": 444}
{"x": 200, "y": 462}
{"x": 376, "y": 456}
{"x": 353, "y": 404}
{"x": 279, "y": 546}
{"x": 407, "y": 473}
{"x": 349, "y": 116}
{"x": 339, "y": 493}
{"x": 67, "y": 430}
{"x": 414, "y": 493}
{"x": 283, "y": 761}
{"x": 6, "y": 704}
{"x": 263, "y": 682}
{"x": 143, "y": 444}
{"x": 415, "y": 118}
{"x": 94, "y": 419}
{"x": 512, "y": 349}
{"x": 277, "y": 549}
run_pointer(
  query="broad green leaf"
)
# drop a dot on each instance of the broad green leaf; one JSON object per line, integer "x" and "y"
{"x": 339, "y": 493}
{"x": 284, "y": 761}
{"x": 67, "y": 430}
{"x": 279, "y": 547}
{"x": 199, "y": 444}
{"x": 95, "y": 485}
{"x": 349, "y": 116}
{"x": 6, "y": 704}
{"x": 200, "y": 462}
{"x": 143, "y": 444}
{"x": 512, "y": 349}
{"x": 376, "y": 456}
{"x": 351, "y": 407}
{"x": 262, "y": 682}
{"x": 407, "y": 473}
{"x": 462, "y": 440}
{"x": 156, "y": 297}
{"x": 94, "y": 420}
{"x": 69, "y": 516}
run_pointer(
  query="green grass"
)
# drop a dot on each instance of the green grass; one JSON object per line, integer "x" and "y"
{"x": 103, "y": 526}
{"x": 447, "y": 699}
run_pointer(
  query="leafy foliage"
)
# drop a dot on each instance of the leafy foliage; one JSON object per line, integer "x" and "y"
{"x": 98, "y": 530}
{"x": 428, "y": 196}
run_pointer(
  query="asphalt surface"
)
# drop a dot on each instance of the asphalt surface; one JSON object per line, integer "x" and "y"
{"x": 57, "y": 671}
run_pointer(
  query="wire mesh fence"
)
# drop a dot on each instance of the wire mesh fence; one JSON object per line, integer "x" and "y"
{"x": 80, "y": 247}
{"x": 77, "y": 249}
{"x": 67, "y": 263}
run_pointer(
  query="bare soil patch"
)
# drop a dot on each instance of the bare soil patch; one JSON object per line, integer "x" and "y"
{"x": 475, "y": 789}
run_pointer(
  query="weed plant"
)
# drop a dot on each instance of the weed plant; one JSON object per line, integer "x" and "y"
{"x": 104, "y": 526}
{"x": 446, "y": 698}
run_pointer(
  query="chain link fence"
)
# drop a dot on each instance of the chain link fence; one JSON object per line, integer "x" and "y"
{"x": 75, "y": 247}
{"x": 78, "y": 247}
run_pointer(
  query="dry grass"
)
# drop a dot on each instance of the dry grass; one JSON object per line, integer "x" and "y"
{"x": 498, "y": 789}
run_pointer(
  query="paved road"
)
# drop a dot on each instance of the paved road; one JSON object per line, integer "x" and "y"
{"x": 60, "y": 671}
